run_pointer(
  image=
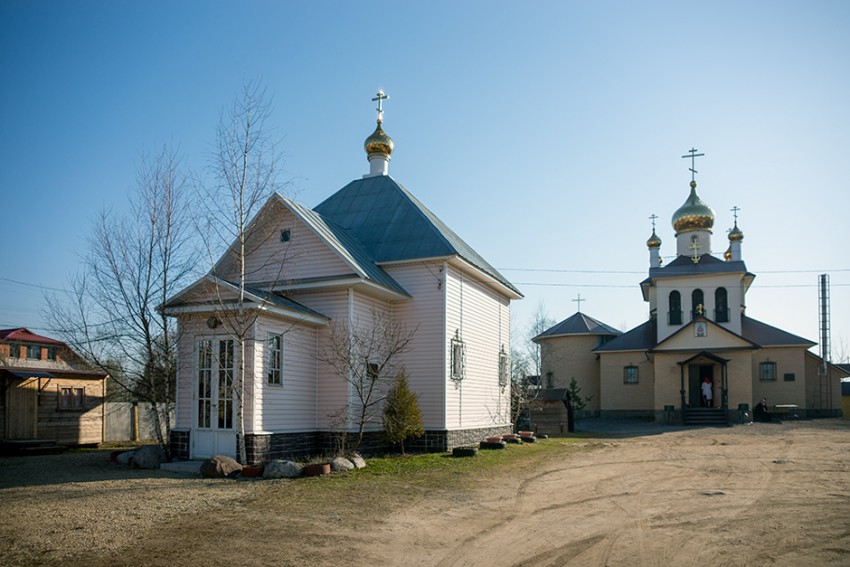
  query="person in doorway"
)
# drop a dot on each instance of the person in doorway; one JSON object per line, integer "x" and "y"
{"x": 760, "y": 412}
{"x": 707, "y": 394}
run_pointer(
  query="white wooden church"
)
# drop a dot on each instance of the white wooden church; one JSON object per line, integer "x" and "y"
{"x": 369, "y": 251}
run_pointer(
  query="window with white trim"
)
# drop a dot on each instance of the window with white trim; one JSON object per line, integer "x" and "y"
{"x": 34, "y": 352}
{"x": 503, "y": 368}
{"x": 458, "y": 355}
{"x": 274, "y": 359}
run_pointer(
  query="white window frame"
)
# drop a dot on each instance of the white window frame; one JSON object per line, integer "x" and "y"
{"x": 504, "y": 365}
{"x": 274, "y": 359}
{"x": 458, "y": 359}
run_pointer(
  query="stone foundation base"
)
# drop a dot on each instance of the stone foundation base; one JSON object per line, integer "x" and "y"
{"x": 178, "y": 441}
{"x": 262, "y": 448}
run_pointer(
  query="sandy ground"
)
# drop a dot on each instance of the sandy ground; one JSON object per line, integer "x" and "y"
{"x": 765, "y": 494}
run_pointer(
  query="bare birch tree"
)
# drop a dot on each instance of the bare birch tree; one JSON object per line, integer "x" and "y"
{"x": 114, "y": 316}
{"x": 366, "y": 355}
{"x": 244, "y": 172}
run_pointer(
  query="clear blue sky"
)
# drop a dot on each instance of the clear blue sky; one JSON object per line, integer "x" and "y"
{"x": 544, "y": 133}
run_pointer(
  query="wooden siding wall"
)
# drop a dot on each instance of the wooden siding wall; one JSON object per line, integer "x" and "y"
{"x": 425, "y": 362}
{"x": 291, "y": 405}
{"x": 481, "y": 318}
{"x": 366, "y": 312}
{"x": 190, "y": 330}
{"x": 332, "y": 389}
{"x": 303, "y": 256}
{"x": 73, "y": 427}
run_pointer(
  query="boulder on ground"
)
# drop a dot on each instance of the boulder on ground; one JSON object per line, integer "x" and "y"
{"x": 280, "y": 468}
{"x": 219, "y": 466}
{"x": 358, "y": 461}
{"x": 341, "y": 464}
{"x": 124, "y": 458}
{"x": 148, "y": 457}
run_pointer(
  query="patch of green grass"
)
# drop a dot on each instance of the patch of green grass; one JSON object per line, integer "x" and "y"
{"x": 389, "y": 482}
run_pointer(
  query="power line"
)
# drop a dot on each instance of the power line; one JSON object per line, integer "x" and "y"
{"x": 28, "y": 284}
{"x": 564, "y": 271}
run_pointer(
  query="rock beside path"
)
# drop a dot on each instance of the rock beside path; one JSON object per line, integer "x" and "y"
{"x": 280, "y": 468}
{"x": 219, "y": 466}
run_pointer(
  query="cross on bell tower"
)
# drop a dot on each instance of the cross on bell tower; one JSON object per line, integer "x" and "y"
{"x": 380, "y": 96}
{"x": 693, "y": 155}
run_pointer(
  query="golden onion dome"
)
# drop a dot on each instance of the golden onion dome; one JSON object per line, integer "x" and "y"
{"x": 378, "y": 142}
{"x": 736, "y": 234}
{"x": 728, "y": 254}
{"x": 694, "y": 214}
{"x": 654, "y": 241}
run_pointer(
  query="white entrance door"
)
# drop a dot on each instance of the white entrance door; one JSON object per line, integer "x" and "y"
{"x": 215, "y": 410}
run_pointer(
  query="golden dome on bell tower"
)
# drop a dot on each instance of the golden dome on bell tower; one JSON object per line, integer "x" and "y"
{"x": 694, "y": 214}
{"x": 736, "y": 234}
{"x": 654, "y": 241}
{"x": 378, "y": 142}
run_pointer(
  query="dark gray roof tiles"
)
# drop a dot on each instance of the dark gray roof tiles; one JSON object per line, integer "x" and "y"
{"x": 284, "y": 302}
{"x": 392, "y": 225}
{"x": 684, "y": 266}
{"x": 345, "y": 244}
{"x": 767, "y": 335}
{"x": 642, "y": 337}
{"x": 578, "y": 324}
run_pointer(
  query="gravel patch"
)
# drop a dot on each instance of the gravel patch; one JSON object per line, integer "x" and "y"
{"x": 55, "y": 507}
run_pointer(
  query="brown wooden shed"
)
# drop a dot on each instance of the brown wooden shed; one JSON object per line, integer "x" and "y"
{"x": 47, "y": 393}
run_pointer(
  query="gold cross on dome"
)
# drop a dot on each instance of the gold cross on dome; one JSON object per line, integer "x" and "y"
{"x": 380, "y": 97}
{"x": 735, "y": 210}
{"x": 695, "y": 247}
{"x": 700, "y": 309}
{"x": 693, "y": 155}
{"x": 652, "y": 217}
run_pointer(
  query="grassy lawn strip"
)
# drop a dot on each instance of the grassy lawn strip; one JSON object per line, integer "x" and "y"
{"x": 390, "y": 481}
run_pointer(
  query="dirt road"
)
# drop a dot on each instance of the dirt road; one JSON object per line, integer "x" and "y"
{"x": 766, "y": 494}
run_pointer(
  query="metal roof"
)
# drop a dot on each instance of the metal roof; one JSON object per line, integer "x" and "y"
{"x": 642, "y": 337}
{"x": 578, "y": 324}
{"x": 282, "y": 301}
{"x": 767, "y": 335}
{"x": 392, "y": 225}
{"x": 25, "y": 335}
{"x": 708, "y": 264}
{"x": 345, "y": 244}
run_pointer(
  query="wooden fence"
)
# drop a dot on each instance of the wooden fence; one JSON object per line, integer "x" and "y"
{"x": 128, "y": 421}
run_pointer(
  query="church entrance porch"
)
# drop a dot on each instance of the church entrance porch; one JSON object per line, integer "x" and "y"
{"x": 699, "y": 374}
{"x": 694, "y": 371}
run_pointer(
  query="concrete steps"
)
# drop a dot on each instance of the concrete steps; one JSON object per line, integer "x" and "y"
{"x": 706, "y": 416}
